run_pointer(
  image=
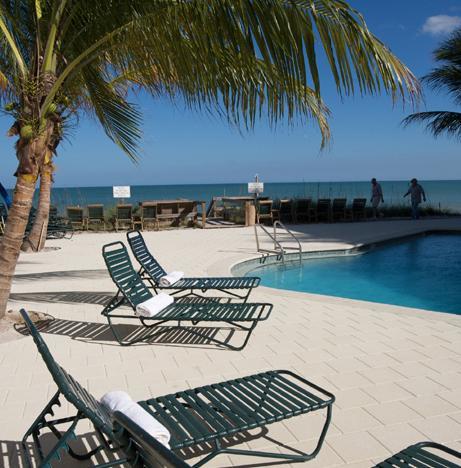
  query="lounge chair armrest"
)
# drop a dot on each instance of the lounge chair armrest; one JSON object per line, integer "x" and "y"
{"x": 266, "y": 310}
{"x": 144, "y": 447}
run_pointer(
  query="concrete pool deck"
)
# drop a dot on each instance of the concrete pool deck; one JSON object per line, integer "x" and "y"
{"x": 396, "y": 372}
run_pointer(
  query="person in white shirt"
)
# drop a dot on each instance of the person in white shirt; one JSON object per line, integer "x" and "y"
{"x": 376, "y": 196}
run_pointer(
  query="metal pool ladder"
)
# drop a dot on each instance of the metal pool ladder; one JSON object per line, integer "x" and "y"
{"x": 279, "y": 249}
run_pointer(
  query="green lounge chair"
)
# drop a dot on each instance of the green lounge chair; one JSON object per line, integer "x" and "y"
{"x": 58, "y": 227}
{"x": 358, "y": 210}
{"x": 96, "y": 216}
{"x": 423, "y": 455}
{"x": 324, "y": 209}
{"x": 286, "y": 211}
{"x": 75, "y": 217}
{"x": 149, "y": 215}
{"x": 132, "y": 291}
{"x": 124, "y": 216}
{"x": 196, "y": 417}
{"x": 304, "y": 210}
{"x": 265, "y": 212}
{"x": 338, "y": 209}
{"x": 152, "y": 271}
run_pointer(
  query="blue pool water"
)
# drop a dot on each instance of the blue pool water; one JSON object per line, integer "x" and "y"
{"x": 423, "y": 272}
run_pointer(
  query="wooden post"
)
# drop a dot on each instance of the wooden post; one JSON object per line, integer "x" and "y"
{"x": 203, "y": 214}
{"x": 250, "y": 214}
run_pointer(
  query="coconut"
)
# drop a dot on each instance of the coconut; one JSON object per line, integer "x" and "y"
{"x": 52, "y": 108}
{"x": 27, "y": 132}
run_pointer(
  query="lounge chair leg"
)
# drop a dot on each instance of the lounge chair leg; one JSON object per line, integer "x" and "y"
{"x": 35, "y": 428}
{"x": 115, "y": 333}
{"x": 292, "y": 457}
{"x": 63, "y": 439}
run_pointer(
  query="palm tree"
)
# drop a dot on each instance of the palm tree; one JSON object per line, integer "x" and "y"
{"x": 239, "y": 58}
{"x": 445, "y": 77}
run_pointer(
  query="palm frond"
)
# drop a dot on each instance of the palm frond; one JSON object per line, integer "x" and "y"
{"x": 120, "y": 120}
{"x": 242, "y": 59}
{"x": 209, "y": 52}
{"x": 447, "y": 76}
{"x": 438, "y": 122}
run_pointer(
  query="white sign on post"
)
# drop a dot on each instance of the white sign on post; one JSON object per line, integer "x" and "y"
{"x": 121, "y": 191}
{"x": 255, "y": 187}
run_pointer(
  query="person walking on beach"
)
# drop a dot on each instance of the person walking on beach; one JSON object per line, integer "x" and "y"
{"x": 376, "y": 196}
{"x": 417, "y": 195}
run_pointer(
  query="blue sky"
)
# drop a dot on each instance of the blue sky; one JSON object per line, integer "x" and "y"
{"x": 181, "y": 146}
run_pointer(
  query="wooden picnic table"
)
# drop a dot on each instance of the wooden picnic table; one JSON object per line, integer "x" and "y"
{"x": 176, "y": 210}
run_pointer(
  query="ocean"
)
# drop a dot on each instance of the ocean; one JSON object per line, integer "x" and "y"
{"x": 440, "y": 194}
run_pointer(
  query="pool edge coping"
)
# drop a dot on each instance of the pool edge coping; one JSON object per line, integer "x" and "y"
{"x": 243, "y": 266}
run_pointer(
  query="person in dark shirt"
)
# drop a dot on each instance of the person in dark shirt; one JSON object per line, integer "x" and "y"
{"x": 417, "y": 195}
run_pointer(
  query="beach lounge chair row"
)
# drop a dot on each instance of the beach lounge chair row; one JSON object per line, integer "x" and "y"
{"x": 150, "y": 215}
{"x": 93, "y": 217}
{"x": 306, "y": 210}
{"x": 196, "y": 420}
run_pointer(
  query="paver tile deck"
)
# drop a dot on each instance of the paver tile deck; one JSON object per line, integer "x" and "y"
{"x": 396, "y": 371}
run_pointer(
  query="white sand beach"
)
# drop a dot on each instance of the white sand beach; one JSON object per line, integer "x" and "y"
{"x": 395, "y": 372}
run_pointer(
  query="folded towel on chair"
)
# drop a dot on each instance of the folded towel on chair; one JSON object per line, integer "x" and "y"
{"x": 171, "y": 278}
{"x": 121, "y": 401}
{"x": 154, "y": 305}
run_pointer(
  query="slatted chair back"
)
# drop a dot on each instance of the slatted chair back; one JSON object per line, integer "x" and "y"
{"x": 96, "y": 212}
{"x": 123, "y": 274}
{"x": 358, "y": 208}
{"x": 148, "y": 211}
{"x": 286, "y": 210}
{"x": 144, "y": 449}
{"x": 323, "y": 205}
{"x": 339, "y": 205}
{"x": 75, "y": 214}
{"x": 265, "y": 207}
{"x": 74, "y": 393}
{"x": 359, "y": 204}
{"x": 143, "y": 256}
{"x": 303, "y": 206}
{"x": 265, "y": 211}
{"x": 124, "y": 212}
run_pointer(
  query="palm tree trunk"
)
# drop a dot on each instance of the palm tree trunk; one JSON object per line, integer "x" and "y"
{"x": 31, "y": 155}
{"x": 10, "y": 246}
{"x": 37, "y": 237}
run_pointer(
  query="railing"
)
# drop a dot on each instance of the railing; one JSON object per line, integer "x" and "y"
{"x": 278, "y": 249}
{"x": 298, "y": 247}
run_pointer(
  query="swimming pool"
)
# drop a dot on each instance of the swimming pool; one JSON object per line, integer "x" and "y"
{"x": 422, "y": 272}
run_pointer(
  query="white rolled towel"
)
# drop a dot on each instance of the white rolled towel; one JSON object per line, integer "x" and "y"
{"x": 171, "y": 278}
{"x": 154, "y": 305}
{"x": 121, "y": 401}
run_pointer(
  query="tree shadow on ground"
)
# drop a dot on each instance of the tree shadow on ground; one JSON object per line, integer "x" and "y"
{"x": 65, "y": 274}
{"x": 64, "y": 297}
